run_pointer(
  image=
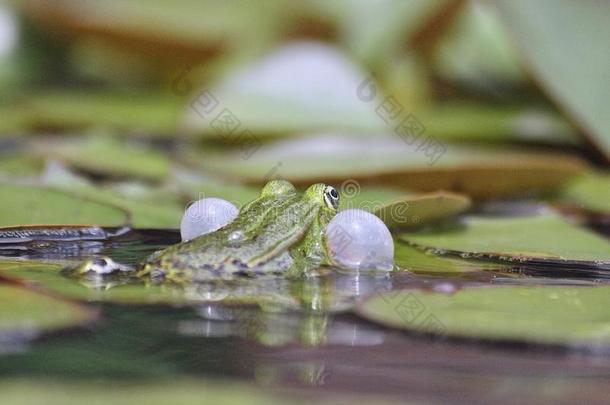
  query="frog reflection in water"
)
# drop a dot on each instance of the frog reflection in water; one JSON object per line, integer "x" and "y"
{"x": 281, "y": 232}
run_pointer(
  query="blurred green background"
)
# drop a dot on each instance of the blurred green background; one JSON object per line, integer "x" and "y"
{"x": 148, "y": 105}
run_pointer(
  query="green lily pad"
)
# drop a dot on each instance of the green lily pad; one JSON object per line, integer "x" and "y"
{"x": 143, "y": 213}
{"x": 19, "y": 165}
{"x": 469, "y": 122}
{"x": 590, "y": 191}
{"x": 26, "y": 313}
{"x": 160, "y": 211}
{"x": 550, "y": 35}
{"x": 419, "y": 261}
{"x": 104, "y": 155}
{"x": 415, "y": 210}
{"x": 543, "y": 237}
{"x": 31, "y": 205}
{"x": 367, "y": 198}
{"x": 551, "y": 315}
{"x": 476, "y": 171}
{"x": 153, "y": 115}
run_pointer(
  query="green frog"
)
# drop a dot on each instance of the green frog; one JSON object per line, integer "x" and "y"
{"x": 280, "y": 232}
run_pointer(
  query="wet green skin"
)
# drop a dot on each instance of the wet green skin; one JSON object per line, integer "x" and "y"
{"x": 281, "y": 232}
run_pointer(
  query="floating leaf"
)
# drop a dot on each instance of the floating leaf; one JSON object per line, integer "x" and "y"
{"x": 418, "y": 261}
{"x": 24, "y": 234}
{"x": 163, "y": 211}
{"x": 104, "y": 155}
{"x": 564, "y": 43}
{"x": 492, "y": 124}
{"x": 476, "y": 171}
{"x": 367, "y": 198}
{"x": 19, "y": 165}
{"x": 30, "y": 205}
{"x": 590, "y": 191}
{"x": 553, "y": 315}
{"x": 539, "y": 238}
{"x": 27, "y": 313}
{"x": 415, "y": 210}
{"x": 153, "y": 115}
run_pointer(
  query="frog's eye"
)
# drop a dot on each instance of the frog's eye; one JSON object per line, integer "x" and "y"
{"x": 331, "y": 197}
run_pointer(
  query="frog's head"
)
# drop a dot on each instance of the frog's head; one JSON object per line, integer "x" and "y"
{"x": 324, "y": 195}
{"x": 278, "y": 188}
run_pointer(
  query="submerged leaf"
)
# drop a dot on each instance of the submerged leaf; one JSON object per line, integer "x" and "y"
{"x": 552, "y": 315}
{"x": 538, "y": 238}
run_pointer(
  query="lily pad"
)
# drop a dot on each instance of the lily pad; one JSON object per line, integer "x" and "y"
{"x": 18, "y": 165}
{"x": 163, "y": 211}
{"x": 104, "y": 155}
{"x": 545, "y": 237}
{"x": 152, "y": 115}
{"x": 419, "y": 261}
{"x": 31, "y": 205}
{"x": 469, "y": 122}
{"x": 27, "y": 313}
{"x": 590, "y": 191}
{"x": 415, "y": 210}
{"x": 550, "y": 35}
{"x": 552, "y": 315}
{"x": 477, "y": 171}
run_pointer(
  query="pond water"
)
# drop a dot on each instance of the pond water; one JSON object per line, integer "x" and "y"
{"x": 319, "y": 348}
